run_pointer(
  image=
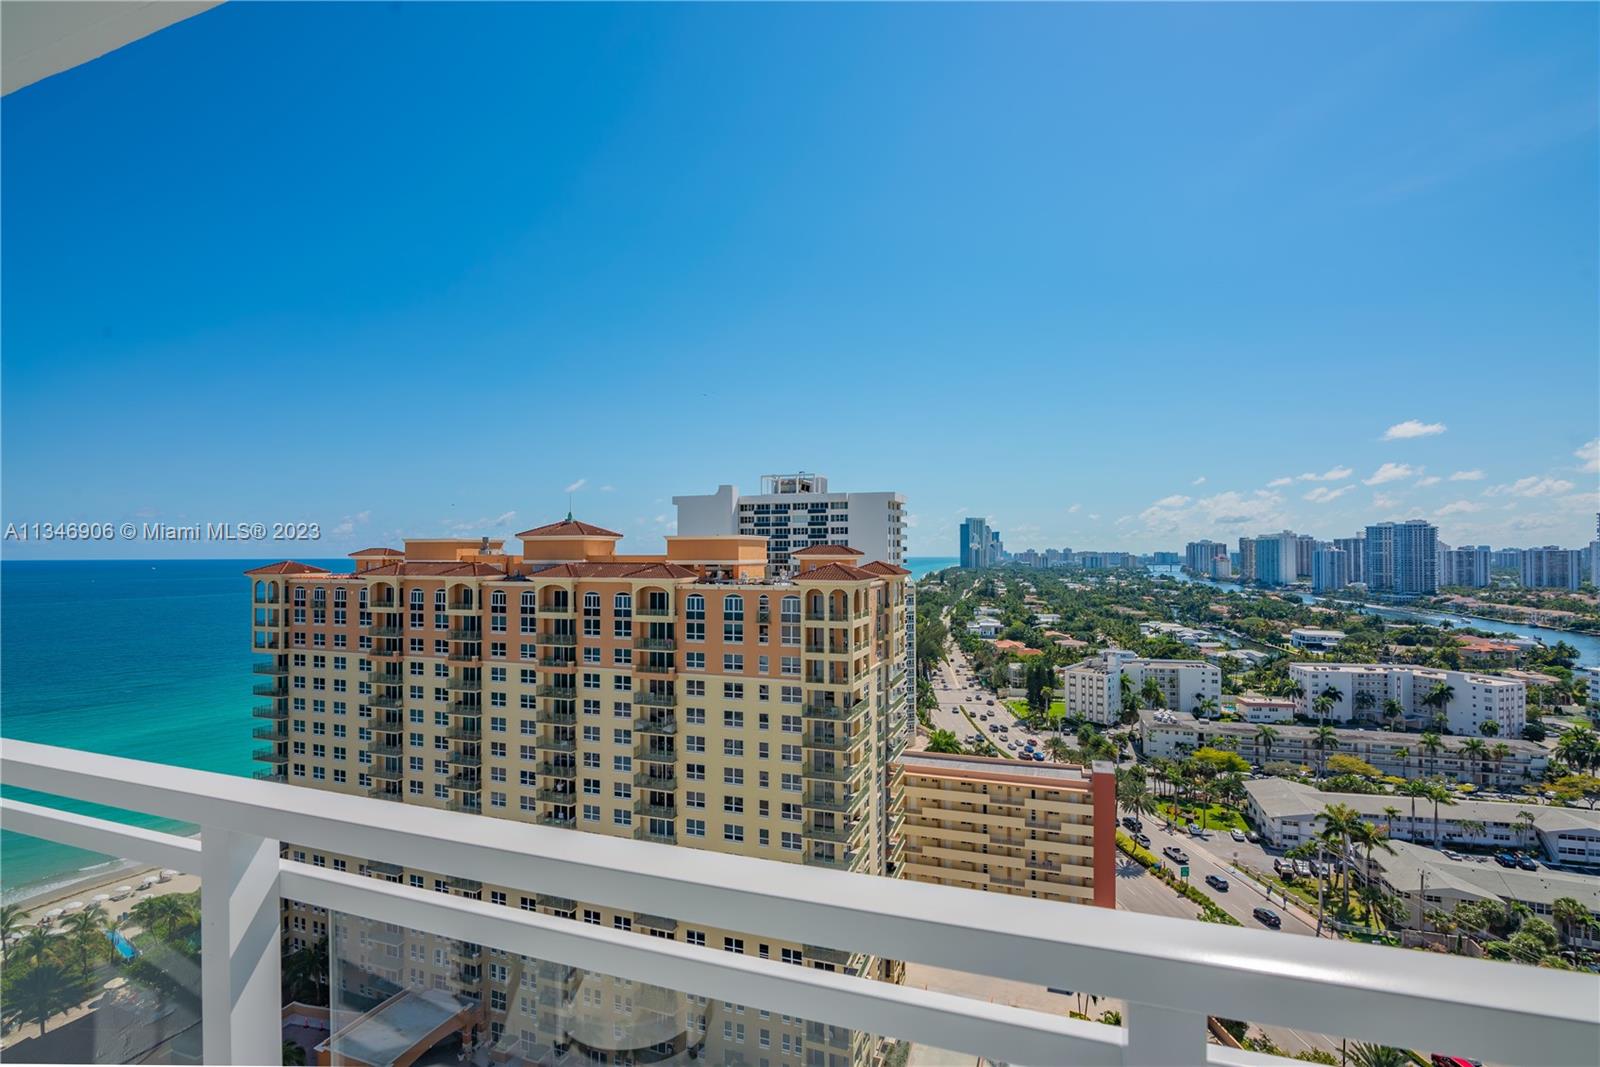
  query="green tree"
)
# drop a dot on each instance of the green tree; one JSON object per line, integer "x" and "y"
{"x": 1475, "y": 750}
{"x": 33, "y": 994}
{"x": 293, "y": 1055}
{"x": 86, "y": 934}
{"x": 1323, "y": 738}
{"x": 1439, "y": 698}
{"x": 11, "y": 916}
{"x": 1393, "y": 712}
{"x": 1570, "y": 788}
{"x": 1439, "y": 793}
{"x": 1365, "y": 1055}
{"x": 1058, "y": 749}
{"x": 943, "y": 741}
{"x": 1571, "y": 917}
{"x": 1431, "y": 743}
{"x": 1489, "y": 728}
{"x": 38, "y": 945}
{"x": 1339, "y": 823}
{"x": 1265, "y": 736}
{"x": 1579, "y": 747}
{"x": 1150, "y": 692}
{"x": 1414, "y": 789}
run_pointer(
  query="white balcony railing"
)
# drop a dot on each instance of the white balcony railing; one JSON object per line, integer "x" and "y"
{"x": 1172, "y": 973}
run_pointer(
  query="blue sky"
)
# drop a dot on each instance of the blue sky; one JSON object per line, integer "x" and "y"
{"x": 1107, "y": 275}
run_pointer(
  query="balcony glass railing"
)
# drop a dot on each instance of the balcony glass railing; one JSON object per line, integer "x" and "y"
{"x": 1164, "y": 977}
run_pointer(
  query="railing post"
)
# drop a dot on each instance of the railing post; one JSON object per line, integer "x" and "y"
{"x": 240, "y": 1009}
{"x": 1164, "y": 1037}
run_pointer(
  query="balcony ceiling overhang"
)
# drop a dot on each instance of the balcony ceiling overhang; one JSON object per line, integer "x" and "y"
{"x": 39, "y": 38}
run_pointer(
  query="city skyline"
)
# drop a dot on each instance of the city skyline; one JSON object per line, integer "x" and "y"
{"x": 1366, "y": 262}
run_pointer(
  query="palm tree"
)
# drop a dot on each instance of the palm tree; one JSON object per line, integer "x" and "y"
{"x": 38, "y": 993}
{"x": 1476, "y": 750}
{"x": 1432, "y": 744}
{"x": 1370, "y": 837}
{"x": 1058, "y": 749}
{"x": 1439, "y": 698}
{"x": 1579, "y": 747}
{"x": 37, "y": 945}
{"x": 1489, "y": 728}
{"x": 1204, "y": 706}
{"x": 1527, "y": 819}
{"x": 1499, "y": 752}
{"x": 1364, "y": 1055}
{"x": 1265, "y": 735}
{"x": 1363, "y": 701}
{"x": 1323, "y": 738}
{"x": 1322, "y": 705}
{"x": 1339, "y": 822}
{"x": 1393, "y": 711}
{"x": 1439, "y": 793}
{"x": 293, "y": 1055}
{"x": 1294, "y": 690}
{"x": 10, "y": 923}
{"x": 1570, "y": 916}
{"x": 938, "y": 741}
{"x": 1150, "y": 692}
{"x": 87, "y": 932}
{"x": 1416, "y": 789}
{"x": 1333, "y": 694}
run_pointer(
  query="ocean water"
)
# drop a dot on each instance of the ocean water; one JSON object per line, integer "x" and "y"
{"x": 923, "y": 565}
{"x": 138, "y": 658}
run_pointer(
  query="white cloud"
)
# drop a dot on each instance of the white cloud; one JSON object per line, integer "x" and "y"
{"x": 1176, "y": 500}
{"x": 1392, "y": 472}
{"x": 608, "y": 489}
{"x": 1336, "y": 474}
{"x": 1412, "y": 428}
{"x": 1533, "y": 485}
{"x": 1467, "y": 476}
{"x": 1588, "y": 456}
{"x": 481, "y": 523}
{"x": 1384, "y": 500}
{"x": 1323, "y": 495}
{"x": 1221, "y": 511}
{"x": 1459, "y": 507}
{"x": 575, "y": 486}
{"x": 1073, "y": 510}
{"x": 1432, "y": 479}
{"x": 1278, "y": 483}
{"x": 1199, "y": 481}
{"x": 1096, "y": 518}
{"x": 348, "y": 524}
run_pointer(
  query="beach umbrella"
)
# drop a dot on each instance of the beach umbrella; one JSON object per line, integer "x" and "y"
{"x": 124, "y": 890}
{"x": 169, "y": 873}
{"x": 76, "y": 905}
{"x": 101, "y": 898}
{"x": 54, "y": 913}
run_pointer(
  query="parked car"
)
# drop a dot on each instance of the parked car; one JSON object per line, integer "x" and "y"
{"x": 1217, "y": 882}
{"x": 1283, "y": 868}
{"x": 1267, "y": 917}
{"x": 1526, "y": 863}
{"x": 1142, "y": 840}
{"x": 1302, "y": 868}
{"x": 991, "y": 700}
{"x": 1505, "y": 859}
{"x": 1237, "y": 835}
{"x": 1038, "y": 757}
{"x": 1316, "y": 868}
{"x": 1195, "y": 831}
{"x": 994, "y": 728}
{"x": 1175, "y": 854}
{"x": 1252, "y": 837}
{"x": 1132, "y": 822}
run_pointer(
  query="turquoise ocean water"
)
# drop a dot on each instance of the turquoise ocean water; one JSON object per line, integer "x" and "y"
{"x": 138, "y": 658}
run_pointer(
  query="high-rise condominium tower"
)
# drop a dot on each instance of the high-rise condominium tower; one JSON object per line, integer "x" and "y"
{"x": 687, "y": 698}
{"x": 1402, "y": 558}
{"x": 796, "y": 511}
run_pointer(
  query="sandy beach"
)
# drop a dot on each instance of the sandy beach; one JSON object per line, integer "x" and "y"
{"x": 85, "y": 890}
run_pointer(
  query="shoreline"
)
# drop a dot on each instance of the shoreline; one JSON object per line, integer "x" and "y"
{"x": 35, "y": 901}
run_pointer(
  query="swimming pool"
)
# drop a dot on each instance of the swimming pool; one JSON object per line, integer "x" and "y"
{"x": 123, "y": 946}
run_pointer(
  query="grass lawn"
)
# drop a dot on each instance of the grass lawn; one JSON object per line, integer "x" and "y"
{"x": 1217, "y": 817}
{"x": 1019, "y": 708}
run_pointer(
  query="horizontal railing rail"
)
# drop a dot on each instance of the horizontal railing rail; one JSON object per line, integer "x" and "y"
{"x": 1171, "y": 972}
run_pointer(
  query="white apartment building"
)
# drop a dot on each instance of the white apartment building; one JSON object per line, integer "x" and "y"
{"x": 1590, "y": 676}
{"x": 1477, "y": 698}
{"x": 1093, "y": 689}
{"x": 1287, "y": 813}
{"x": 1168, "y": 735}
{"x": 795, "y": 511}
{"x": 1315, "y": 640}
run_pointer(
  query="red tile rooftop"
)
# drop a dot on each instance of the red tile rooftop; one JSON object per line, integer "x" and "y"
{"x": 835, "y": 572}
{"x": 614, "y": 570}
{"x": 877, "y": 566}
{"x": 442, "y": 568}
{"x": 376, "y": 552}
{"x": 569, "y": 528}
{"x": 829, "y": 550}
{"x": 287, "y": 566}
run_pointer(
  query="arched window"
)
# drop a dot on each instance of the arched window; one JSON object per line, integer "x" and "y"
{"x": 622, "y": 615}
{"x": 418, "y": 599}
{"x": 733, "y": 618}
{"x": 694, "y": 617}
{"x": 497, "y": 599}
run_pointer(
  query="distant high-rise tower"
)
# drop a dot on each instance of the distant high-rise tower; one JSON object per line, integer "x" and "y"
{"x": 1330, "y": 570}
{"x": 1277, "y": 558}
{"x": 1403, "y": 558}
{"x": 975, "y": 543}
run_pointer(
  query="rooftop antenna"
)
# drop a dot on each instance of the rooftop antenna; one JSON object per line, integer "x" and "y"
{"x": 569, "y": 507}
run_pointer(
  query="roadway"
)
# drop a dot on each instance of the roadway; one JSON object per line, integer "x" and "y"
{"x": 954, "y": 693}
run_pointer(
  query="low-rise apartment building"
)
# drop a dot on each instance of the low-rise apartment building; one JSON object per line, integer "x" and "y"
{"x": 1428, "y": 880}
{"x": 1506, "y": 764}
{"x": 1312, "y": 640}
{"x": 1031, "y": 829}
{"x": 1287, "y": 813}
{"x": 1264, "y": 709}
{"x": 687, "y": 699}
{"x": 1093, "y": 689}
{"x": 1361, "y": 690}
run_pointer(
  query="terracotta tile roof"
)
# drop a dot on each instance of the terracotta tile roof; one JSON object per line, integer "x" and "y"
{"x": 287, "y": 566}
{"x": 569, "y": 528}
{"x": 377, "y": 552}
{"x": 615, "y": 570}
{"x": 835, "y": 572}
{"x": 877, "y": 566}
{"x": 829, "y": 550}
{"x": 438, "y": 569}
